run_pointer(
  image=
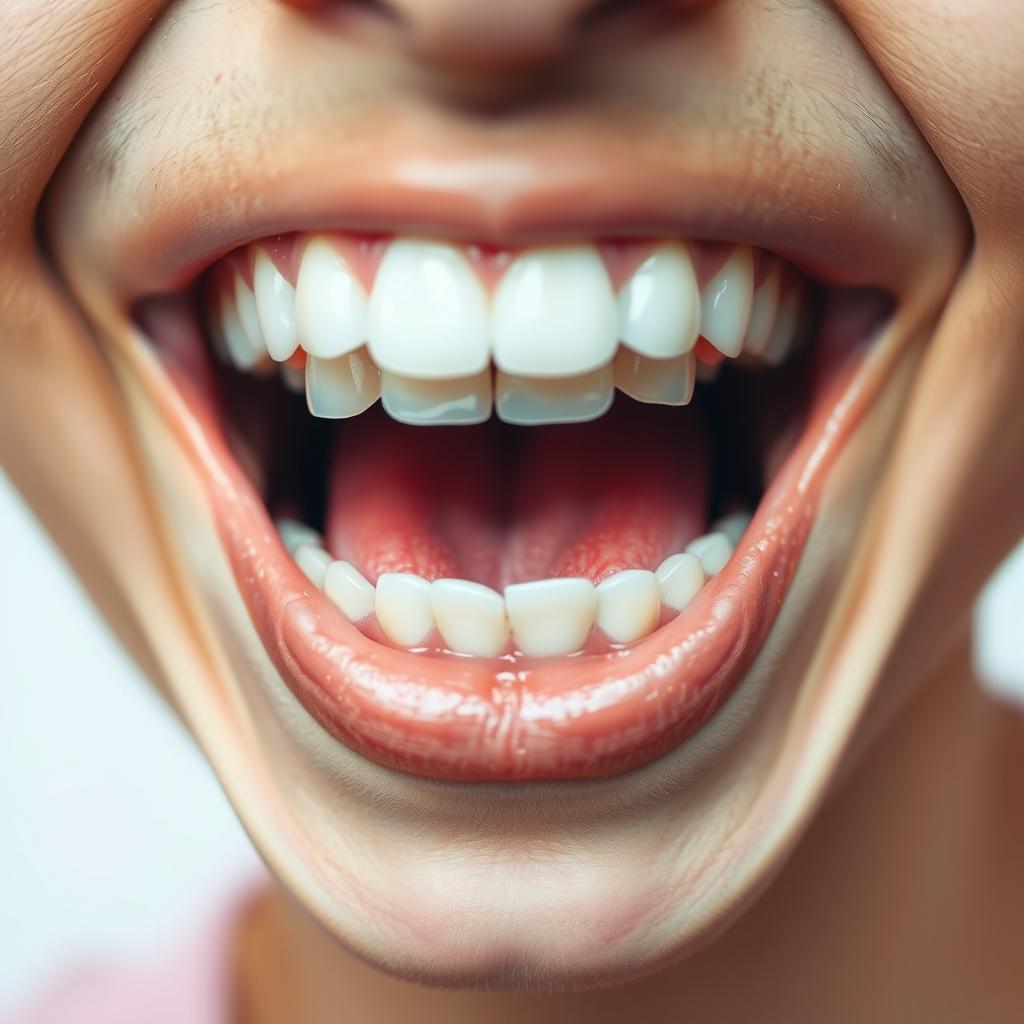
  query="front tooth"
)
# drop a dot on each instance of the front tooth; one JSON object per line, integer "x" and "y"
{"x": 428, "y": 313}
{"x": 294, "y": 534}
{"x": 402, "y": 604}
{"x": 350, "y": 590}
{"x": 763, "y": 312}
{"x": 530, "y": 402}
{"x": 470, "y": 617}
{"x": 551, "y": 617}
{"x": 330, "y": 304}
{"x": 680, "y": 579}
{"x": 659, "y": 307}
{"x": 243, "y": 353}
{"x": 628, "y": 605}
{"x": 435, "y": 402}
{"x": 275, "y": 307}
{"x": 726, "y": 301}
{"x": 343, "y": 387}
{"x": 713, "y": 550}
{"x": 313, "y": 561}
{"x": 657, "y": 381}
{"x": 781, "y": 340}
{"x": 245, "y": 303}
{"x": 555, "y": 314}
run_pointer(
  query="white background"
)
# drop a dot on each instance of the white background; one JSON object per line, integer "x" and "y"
{"x": 114, "y": 832}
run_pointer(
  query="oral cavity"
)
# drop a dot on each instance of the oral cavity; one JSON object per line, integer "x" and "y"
{"x": 442, "y": 333}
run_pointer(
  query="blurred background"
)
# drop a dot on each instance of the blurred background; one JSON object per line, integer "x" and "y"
{"x": 99, "y": 861}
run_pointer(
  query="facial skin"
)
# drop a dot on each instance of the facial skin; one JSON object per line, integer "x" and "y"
{"x": 218, "y": 124}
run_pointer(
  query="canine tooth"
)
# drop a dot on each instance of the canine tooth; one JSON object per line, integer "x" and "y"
{"x": 275, "y": 308}
{"x": 402, "y": 604}
{"x": 330, "y": 304}
{"x": 435, "y": 402}
{"x": 428, "y": 313}
{"x": 680, "y": 579}
{"x": 733, "y": 526}
{"x": 726, "y": 301}
{"x": 531, "y": 401}
{"x": 713, "y": 550}
{"x": 313, "y": 561}
{"x": 656, "y": 381}
{"x": 245, "y": 303}
{"x": 659, "y": 307}
{"x": 243, "y": 353}
{"x": 554, "y": 313}
{"x": 628, "y": 605}
{"x": 780, "y": 341}
{"x": 294, "y": 378}
{"x": 551, "y": 617}
{"x": 343, "y": 387}
{"x": 470, "y": 616}
{"x": 294, "y": 534}
{"x": 763, "y": 313}
{"x": 350, "y": 590}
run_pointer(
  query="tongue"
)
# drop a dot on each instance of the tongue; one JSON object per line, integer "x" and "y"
{"x": 501, "y": 505}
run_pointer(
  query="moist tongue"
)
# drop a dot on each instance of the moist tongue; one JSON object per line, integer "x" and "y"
{"x": 499, "y": 504}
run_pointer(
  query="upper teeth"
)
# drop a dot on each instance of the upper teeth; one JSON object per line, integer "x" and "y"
{"x": 560, "y": 338}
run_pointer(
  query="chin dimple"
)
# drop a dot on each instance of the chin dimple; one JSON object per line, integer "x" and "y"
{"x": 441, "y": 334}
{"x": 533, "y": 619}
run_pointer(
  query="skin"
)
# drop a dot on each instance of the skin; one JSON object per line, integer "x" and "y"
{"x": 910, "y": 733}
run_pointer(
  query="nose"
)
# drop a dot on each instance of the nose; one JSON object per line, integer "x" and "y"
{"x": 493, "y": 33}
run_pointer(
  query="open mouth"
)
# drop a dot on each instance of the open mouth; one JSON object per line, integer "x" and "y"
{"x": 515, "y": 513}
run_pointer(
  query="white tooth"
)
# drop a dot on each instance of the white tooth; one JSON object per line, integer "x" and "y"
{"x": 713, "y": 550}
{"x": 657, "y": 381}
{"x": 733, "y": 526}
{"x": 428, "y": 313}
{"x": 313, "y": 561}
{"x": 780, "y": 342}
{"x": 402, "y": 604}
{"x": 343, "y": 387}
{"x": 294, "y": 378}
{"x": 680, "y": 579}
{"x": 470, "y": 616}
{"x": 295, "y": 534}
{"x": 435, "y": 402}
{"x": 555, "y": 314}
{"x": 275, "y": 308}
{"x": 762, "y": 313}
{"x": 726, "y": 300}
{"x": 350, "y": 590}
{"x": 659, "y": 306}
{"x": 242, "y": 352}
{"x": 245, "y": 303}
{"x": 628, "y": 605}
{"x": 530, "y": 401}
{"x": 330, "y": 304}
{"x": 551, "y": 617}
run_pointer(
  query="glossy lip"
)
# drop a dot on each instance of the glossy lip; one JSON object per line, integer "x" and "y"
{"x": 463, "y": 719}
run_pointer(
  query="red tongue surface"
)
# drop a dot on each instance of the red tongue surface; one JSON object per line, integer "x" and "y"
{"x": 500, "y": 505}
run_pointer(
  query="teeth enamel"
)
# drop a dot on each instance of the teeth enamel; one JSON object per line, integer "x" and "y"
{"x": 349, "y": 589}
{"x": 428, "y": 313}
{"x": 713, "y": 550}
{"x": 780, "y": 342}
{"x": 313, "y": 561}
{"x": 342, "y": 387}
{"x": 295, "y": 534}
{"x": 659, "y": 307}
{"x": 657, "y": 381}
{"x": 733, "y": 526}
{"x": 245, "y": 304}
{"x": 763, "y": 312}
{"x": 628, "y": 605}
{"x": 402, "y": 604}
{"x": 419, "y": 402}
{"x": 470, "y": 617}
{"x": 554, "y": 314}
{"x": 330, "y": 304}
{"x": 726, "y": 302}
{"x": 551, "y": 617}
{"x": 529, "y": 401}
{"x": 275, "y": 308}
{"x": 242, "y": 352}
{"x": 680, "y": 579}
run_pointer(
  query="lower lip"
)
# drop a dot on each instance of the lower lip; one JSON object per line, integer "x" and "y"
{"x": 460, "y": 719}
